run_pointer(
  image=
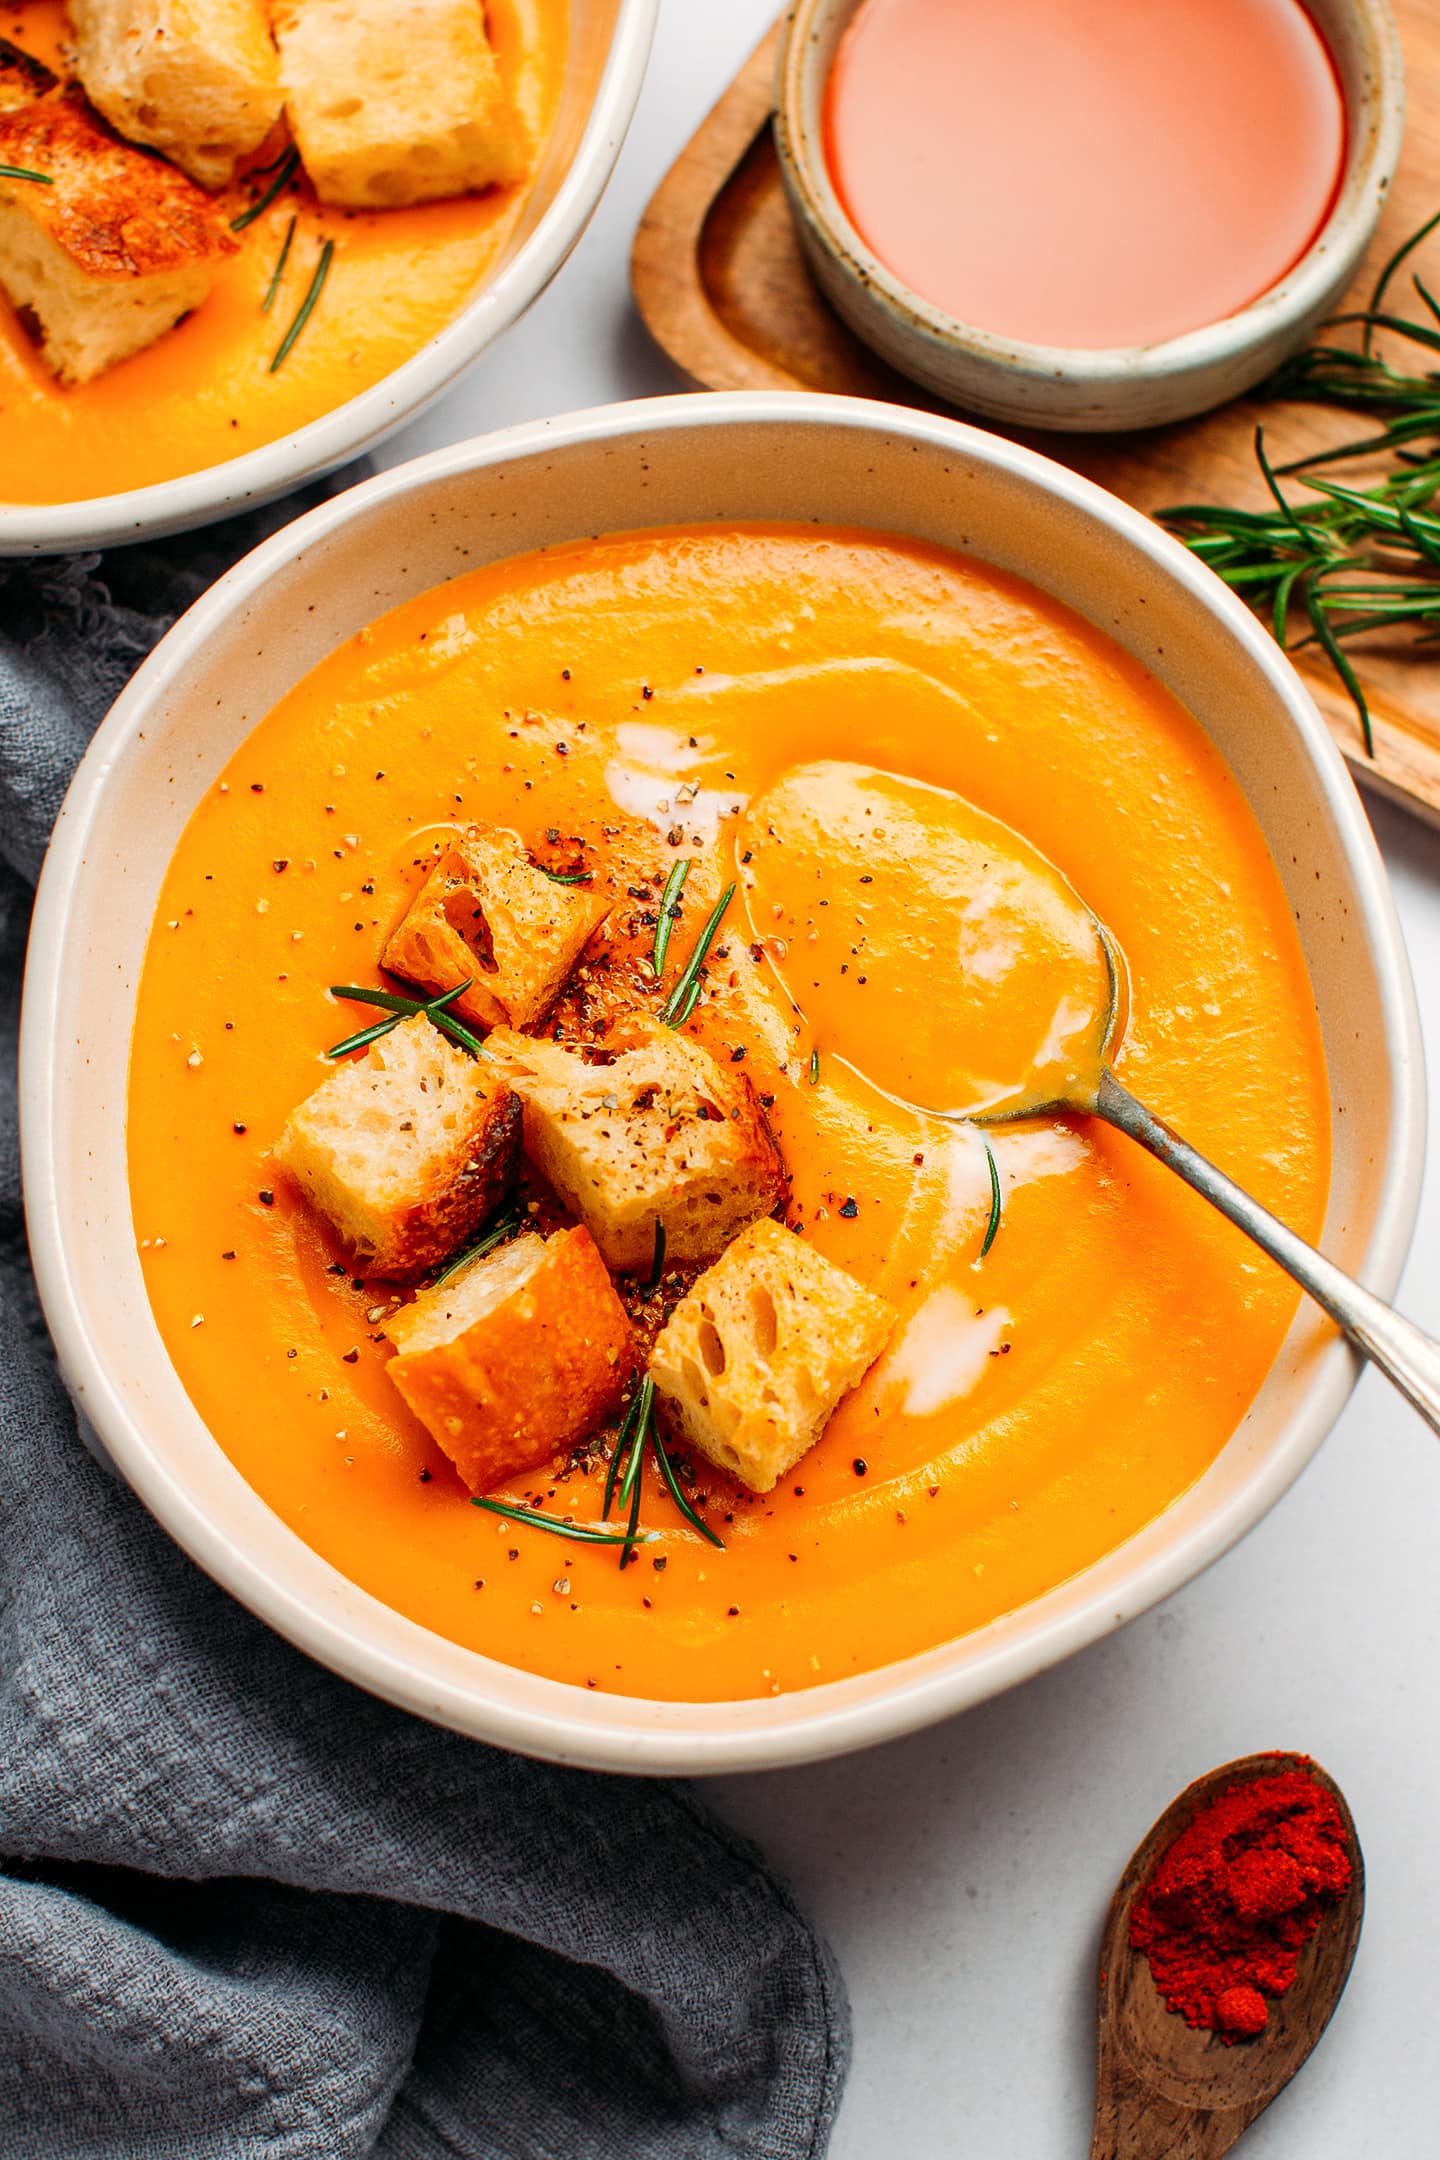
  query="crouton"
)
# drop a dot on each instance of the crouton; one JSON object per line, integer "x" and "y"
{"x": 396, "y": 101}
{"x": 751, "y": 1364}
{"x": 485, "y": 914}
{"x": 112, "y": 252}
{"x": 23, "y": 78}
{"x": 519, "y": 1356}
{"x": 406, "y": 1150}
{"x": 198, "y": 79}
{"x": 656, "y": 1129}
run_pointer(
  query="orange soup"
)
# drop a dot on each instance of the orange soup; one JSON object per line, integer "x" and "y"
{"x": 630, "y": 698}
{"x": 1086, "y": 173}
{"x": 205, "y": 391}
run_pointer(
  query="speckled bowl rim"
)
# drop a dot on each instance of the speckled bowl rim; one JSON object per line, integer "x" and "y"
{"x": 1298, "y": 295}
{"x": 219, "y": 491}
{"x": 310, "y": 1602}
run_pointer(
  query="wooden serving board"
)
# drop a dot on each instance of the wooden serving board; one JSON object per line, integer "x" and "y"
{"x": 721, "y": 284}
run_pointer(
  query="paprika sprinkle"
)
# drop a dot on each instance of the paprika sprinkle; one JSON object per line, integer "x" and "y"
{"x": 1234, "y": 1900}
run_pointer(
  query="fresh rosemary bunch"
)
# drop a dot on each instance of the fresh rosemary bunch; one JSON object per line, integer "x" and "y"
{"x": 1349, "y": 559}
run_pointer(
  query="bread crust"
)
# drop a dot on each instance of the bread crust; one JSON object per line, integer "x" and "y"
{"x": 646, "y": 1125}
{"x": 505, "y": 1388}
{"x": 23, "y": 78}
{"x": 404, "y": 1206}
{"x": 486, "y": 914}
{"x": 113, "y": 212}
{"x": 753, "y": 1362}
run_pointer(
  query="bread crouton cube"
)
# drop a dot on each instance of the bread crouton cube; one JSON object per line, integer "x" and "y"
{"x": 648, "y": 1128}
{"x": 196, "y": 79}
{"x": 753, "y": 1362}
{"x": 110, "y": 249}
{"x": 405, "y": 1150}
{"x": 396, "y": 101}
{"x": 486, "y": 914}
{"x": 519, "y": 1356}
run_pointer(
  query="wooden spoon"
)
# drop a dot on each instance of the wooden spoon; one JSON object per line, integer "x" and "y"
{"x": 1166, "y": 2092}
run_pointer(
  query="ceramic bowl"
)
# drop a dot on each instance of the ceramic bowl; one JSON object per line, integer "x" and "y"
{"x": 609, "y": 46}
{"x": 1050, "y": 386}
{"x": 757, "y": 455}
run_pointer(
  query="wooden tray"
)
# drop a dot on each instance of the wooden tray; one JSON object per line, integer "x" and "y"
{"x": 723, "y": 288}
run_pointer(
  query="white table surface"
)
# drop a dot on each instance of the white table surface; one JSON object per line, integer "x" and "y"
{"x": 962, "y": 1876}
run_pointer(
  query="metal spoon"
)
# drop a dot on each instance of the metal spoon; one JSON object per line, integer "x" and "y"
{"x": 809, "y": 845}
{"x": 1165, "y": 2092}
{"x": 1403, "y": 1352}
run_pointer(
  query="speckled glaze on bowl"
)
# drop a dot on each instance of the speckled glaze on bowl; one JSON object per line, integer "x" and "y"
{"x": 757, "y": 455}
{"x": 1048, "y": 385}
{"x": 609, "y": 46}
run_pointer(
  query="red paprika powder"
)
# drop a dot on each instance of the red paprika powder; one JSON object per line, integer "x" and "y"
{"x": 1232, "y": 1903}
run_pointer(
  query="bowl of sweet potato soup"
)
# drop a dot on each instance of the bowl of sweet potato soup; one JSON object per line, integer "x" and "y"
{"x": 507, "y": 996}
{"x": 244, "y": 240}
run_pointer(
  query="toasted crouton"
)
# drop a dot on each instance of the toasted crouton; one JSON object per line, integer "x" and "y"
{"x": 655, "y": 1130}
{"x": 520, "y": 1355}
{"x": 751, "y": 1364}
{"x": 396, "y": 101}
{"x": 485, "y": 914}
{"x": 113, "y": 251}
{"x": 198, "y": 79}
{"x": 406, "y": 1150}
{"x": 23, "y": 78}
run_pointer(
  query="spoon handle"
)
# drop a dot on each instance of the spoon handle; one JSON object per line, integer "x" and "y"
{"x": 1403, "y": 1352}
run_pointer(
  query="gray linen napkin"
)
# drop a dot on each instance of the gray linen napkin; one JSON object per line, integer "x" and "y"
{"x": 245, "y": 1909}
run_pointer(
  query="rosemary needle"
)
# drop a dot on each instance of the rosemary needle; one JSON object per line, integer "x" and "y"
{"x": 581, "y": 1533}
{"x": 657, "y": 1263}
{"x": 274, "y": 286}
{"x": 814, "y": 1068}
{"x": 667, "y": 1471}
{"x": 23, "y": 172}
{"x": 682, "y": 1000}
{"x": 567, "y": 877}
{"x": 306, "y": 308}
{"x": 289, "y": 166}
{"x": 487, "y": 1242}
{"x": 665, "y": 920}
{"x": 994, "y": 1223}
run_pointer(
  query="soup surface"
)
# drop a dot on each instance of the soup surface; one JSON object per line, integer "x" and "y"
{"x": 1086, "y": 173}
{"x": 204, "y": 392}
{"x": 1037, "y": 1404}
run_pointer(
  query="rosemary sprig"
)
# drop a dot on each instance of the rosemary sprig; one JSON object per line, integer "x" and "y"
{"x": 486, "y": 1242}
{"x": 683, "y": 999}
{"x": 993, "y": 1225}
{"x": 23, "y": 172}
{"x": 1348, "y": 560}
{"x": 306, "y": 308}
{"x": 581, "y": 1533}
{"x": 404, "y": 1008}
{"x": 664, "y": 922}
{"x": 622, "y": 1481}
{"x": 274, "y": 286}
{"x": 657, "y": 1264}
{"x": 288, "y": 167}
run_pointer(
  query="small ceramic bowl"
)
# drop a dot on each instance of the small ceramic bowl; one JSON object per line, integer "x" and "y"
{"x": 609, "y": 44}
{"x": 675, "y": 460}
{"x": 1051, "y": 386}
